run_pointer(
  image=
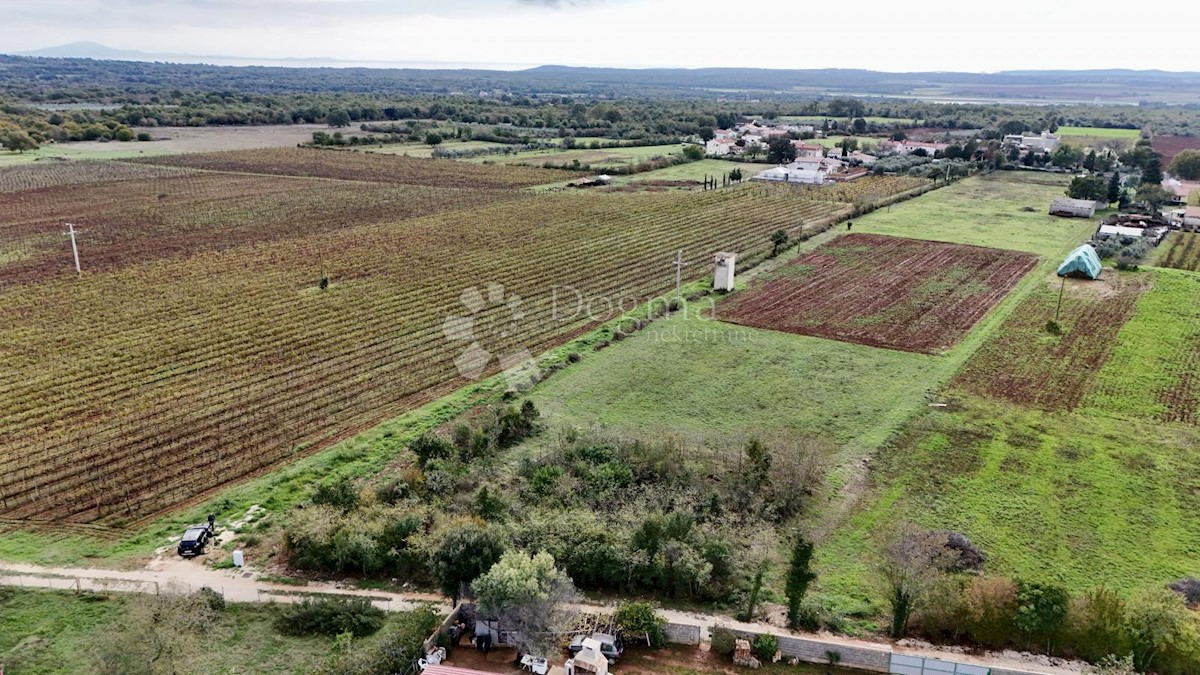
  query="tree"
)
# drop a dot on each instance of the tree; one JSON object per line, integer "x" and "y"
{"x": 1152, "y": 170}
{"x": 754, "y": 150}
{"x": 338, "y": 118}
{"x": 18, "y": 141}
{"x": 736, "y": 175}
{"x": 707, "y": 134}
{"x": 433, "y": 139}
{"x": 1089, "y": 162}
{"x": 1114, "y": 188}
{"x": 779, "y": 241}
{"x": 1041, "y": 610}
{"x": 1066, "y": 156}
{"x": 463, "y": 554}
{"x": 1186, "y": 165}
{"x": 911, "y": 562}
{"x": 781, "y": 151}
{"x": 860, "y": 125}
{"x": 638, "y": 619}
{"x": 1153, "y": 195}
{"x": 693, "y": 152}
{"x": 1091, "y": 187}
{"x": 529, "y": 596}
{"x": 799, "y": 576}
{"x": 1157, "y": 622}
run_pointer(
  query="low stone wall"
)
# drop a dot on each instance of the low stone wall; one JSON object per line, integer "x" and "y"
{"x": 683, "y": 633}
{"x": 814, "y": 651}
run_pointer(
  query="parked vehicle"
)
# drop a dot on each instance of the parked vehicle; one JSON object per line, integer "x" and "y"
{"x": 194, "y": 541}
{"x": 611, "y": 647}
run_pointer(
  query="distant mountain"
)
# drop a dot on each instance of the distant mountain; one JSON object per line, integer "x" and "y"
{"x": 132, "y": 70}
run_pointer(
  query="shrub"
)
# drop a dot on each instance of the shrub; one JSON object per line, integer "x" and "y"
{"x": 330, "y": 616}
{"x": 991, "y": 605}
{"x": 723, "y": 641}
{"x": 339, "y": 494}
{"x": 212, "y": 599}
{"x": 429, "y": 446}
{"x": 637, "y": 620}
{"x": 764, "y": 647}
{"x": 1095, "y": 625}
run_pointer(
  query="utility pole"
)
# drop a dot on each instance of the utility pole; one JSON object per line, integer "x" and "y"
{"x": 74, "y": 248}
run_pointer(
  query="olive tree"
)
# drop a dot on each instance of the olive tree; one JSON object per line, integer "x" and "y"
{"x": 531, "y": 597}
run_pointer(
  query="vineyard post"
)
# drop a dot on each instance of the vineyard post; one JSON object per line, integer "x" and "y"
{"x": 678, "y": 272}
{"x": 1060, "y": 294}
{"x": 74, "y": 248}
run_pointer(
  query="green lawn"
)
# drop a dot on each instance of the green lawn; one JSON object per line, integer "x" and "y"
{"x": 1068, "y": 499}
{"x": 987, "y": 211}
{"x": 44, "y": 632}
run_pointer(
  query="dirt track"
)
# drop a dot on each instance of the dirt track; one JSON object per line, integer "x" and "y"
{"x": 244, "y": 586}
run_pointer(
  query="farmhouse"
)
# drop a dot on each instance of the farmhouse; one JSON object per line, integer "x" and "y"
{"x": 720, "y": 147}
{"x": 909, "y": 147}
{"x": 1047, "y": 141}
{"x": 808, "y": 150}
{"x": 793, "y": 174}
{"x": 1182, "y": 189}
{"x": 1191, "y": 216}
{"x": 1076, "y": 208}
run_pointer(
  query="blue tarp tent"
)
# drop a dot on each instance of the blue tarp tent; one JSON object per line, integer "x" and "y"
{"x": 1082, "y": 263}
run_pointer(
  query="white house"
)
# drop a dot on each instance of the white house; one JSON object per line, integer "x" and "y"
{"x": 787, "y": 174}
{"x": 1047, "y": 141}
{"x": 719, "y": 147}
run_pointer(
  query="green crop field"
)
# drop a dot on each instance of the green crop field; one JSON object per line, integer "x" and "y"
{"x": 597, "y": 158}
{"x": 50, "y": 153}
{"x": 1098, "y": 132}
{"x": 1154, "y": 371}
{"x": 1068, "y": 499}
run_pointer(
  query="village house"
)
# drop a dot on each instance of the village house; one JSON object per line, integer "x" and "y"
{"x": 720, "y": 147}
{"x": 808, "y": 150}
{"x": 1182, "y": 189}
{"x": 1046, "y": 142}
{"x": 909, "y": 147}
{"x": 1191, "y": 216}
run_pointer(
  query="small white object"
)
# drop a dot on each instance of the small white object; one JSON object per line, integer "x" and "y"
{"x": 723, "y": 275}
{"x": 239, "y": 558}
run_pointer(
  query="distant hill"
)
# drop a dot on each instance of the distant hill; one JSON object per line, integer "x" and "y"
{"x": 90, "y": 63}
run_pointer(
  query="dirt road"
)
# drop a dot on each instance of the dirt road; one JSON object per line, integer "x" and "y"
{"x": 244, "y": 586}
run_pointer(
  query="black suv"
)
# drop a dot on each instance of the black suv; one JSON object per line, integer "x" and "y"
{"x": 194, "y": 541}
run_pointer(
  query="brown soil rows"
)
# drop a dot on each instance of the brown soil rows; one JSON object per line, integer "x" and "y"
{"x": 1025, "y": 364}
{"x": 883, "y": 291}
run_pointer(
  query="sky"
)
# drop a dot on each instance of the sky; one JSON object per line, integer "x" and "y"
{"x": 958, "y": 35}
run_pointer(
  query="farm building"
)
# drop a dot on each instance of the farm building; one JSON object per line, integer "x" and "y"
{"x": 787, "y": 174}
{"x": 1191, "y": 216}
{"x": 1082, "y": 263}
{"x": 1047, "y": 142}
{"x": 809, "y": 150}
{"x": 1075, "y": 208}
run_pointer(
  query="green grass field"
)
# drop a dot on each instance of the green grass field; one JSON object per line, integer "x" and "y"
{"x": 701, "y": 378}
{"x": 1154, "y": 370}
{"x": 987, "y": 211}
{"x": 695, "y": 171}
{"x": 422, "y": 150}
{"x": 808, "y": 119}
{"x": 1098, "y": 132}
{"x": 47, "y": 632}
{"x": 1068, "y": 499}
{"x": 598, "y": 159}
{"x": 49, "y": 152}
